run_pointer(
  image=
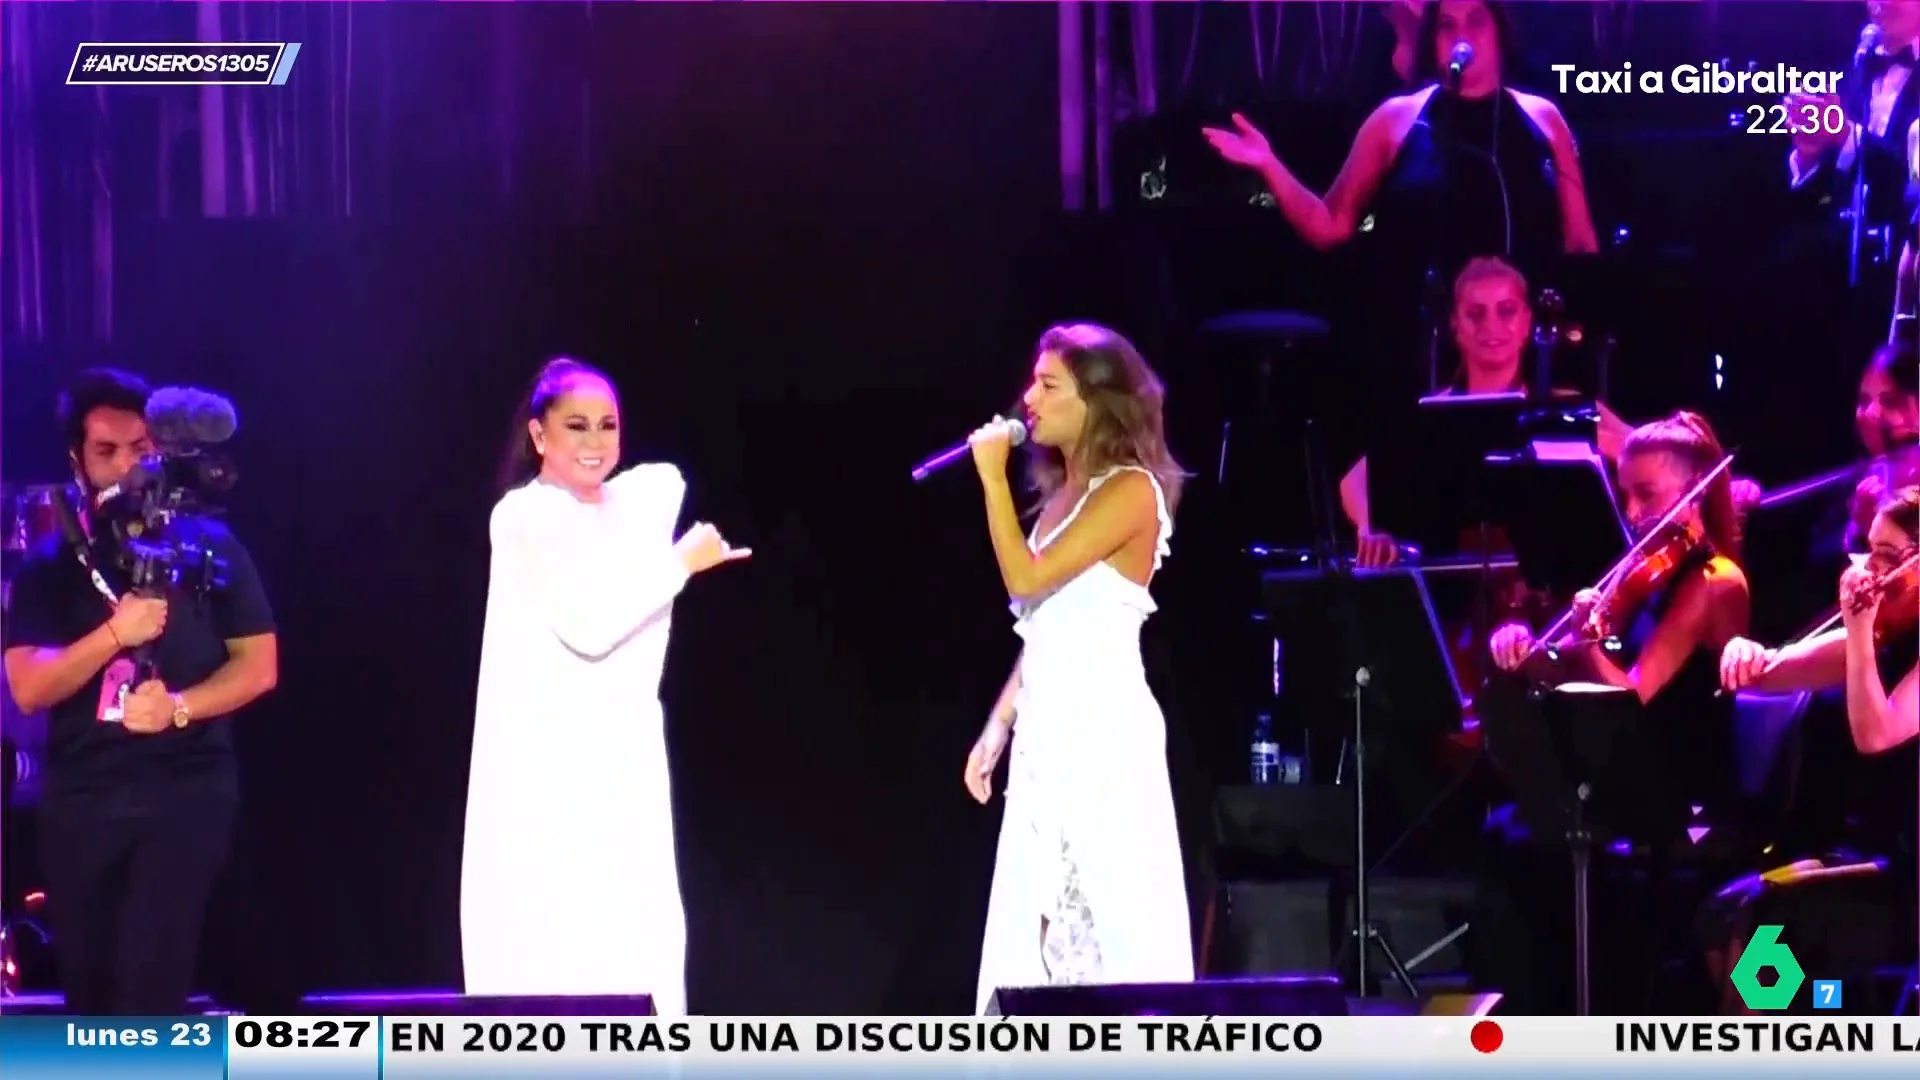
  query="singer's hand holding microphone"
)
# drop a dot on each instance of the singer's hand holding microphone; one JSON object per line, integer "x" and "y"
{"x": 988, "y": 447}
{"x": 993, "y": 443}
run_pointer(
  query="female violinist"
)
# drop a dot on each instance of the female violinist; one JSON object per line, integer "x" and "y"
{"x": 1886, "y": 424}
{"x": 1851, "y": 911}
{"x": 1679, "y": 603}
{"x": 1886, "y": 418}
{"x": 1674, "y": 607}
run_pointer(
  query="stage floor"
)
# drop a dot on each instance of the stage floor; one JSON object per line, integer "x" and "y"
{"x": 393, "y": 1003}
{"x": 453, "y": 1003}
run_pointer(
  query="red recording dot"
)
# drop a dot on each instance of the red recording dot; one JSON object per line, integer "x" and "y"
{"x": 1487, "y": 1036}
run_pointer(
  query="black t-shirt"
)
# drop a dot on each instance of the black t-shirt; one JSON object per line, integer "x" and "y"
{"x": 55, "y": 604}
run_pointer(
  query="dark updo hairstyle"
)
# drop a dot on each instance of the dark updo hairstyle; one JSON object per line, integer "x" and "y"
{"x": 1690, "y": 440}
{"x": 1427, "y": 64}
{"x": 1901, "y": 508}
{"x": 554, "y": 380}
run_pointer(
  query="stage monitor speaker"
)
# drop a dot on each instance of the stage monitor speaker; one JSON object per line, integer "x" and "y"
{"x": 1273, "y": 926}
{"x": 451, "y": 1004}
{"x": 1295, "y": 995}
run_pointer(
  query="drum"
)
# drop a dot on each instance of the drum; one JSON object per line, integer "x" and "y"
{"x": 32, "y": 515}
{"x": 23, "y": 742}
{"x": 29, "y": 516}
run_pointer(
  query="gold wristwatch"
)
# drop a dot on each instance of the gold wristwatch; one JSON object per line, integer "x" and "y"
{"x": 181, "y": 714}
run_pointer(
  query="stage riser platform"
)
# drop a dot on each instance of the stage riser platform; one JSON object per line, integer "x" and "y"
{"x": 1297, "y": 995}
{"x": 418, "y": 1003}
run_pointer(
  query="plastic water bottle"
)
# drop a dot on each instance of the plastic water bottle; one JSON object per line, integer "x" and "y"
{"x": 1266, "y": 752}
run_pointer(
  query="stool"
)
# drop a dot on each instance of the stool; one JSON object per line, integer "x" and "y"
{"x": 1269, "y": 339}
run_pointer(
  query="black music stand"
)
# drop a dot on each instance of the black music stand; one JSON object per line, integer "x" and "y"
{"x": 1380, "y": 626}
{"x": 1556, "y": 502}
{"x": 1432, "y": 484}
{"x": 1585, "y": 768}
{"x": 1436, "y": 486}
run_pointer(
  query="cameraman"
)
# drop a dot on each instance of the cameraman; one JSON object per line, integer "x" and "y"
{"x": 142, "y": 788}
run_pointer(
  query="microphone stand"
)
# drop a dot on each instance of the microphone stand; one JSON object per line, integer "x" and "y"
{"x": 1856, "y": 233}
{"x": 1436, "y": 300}
{"x": 1366, "y": 933}
{"x": 1546, "y": 337}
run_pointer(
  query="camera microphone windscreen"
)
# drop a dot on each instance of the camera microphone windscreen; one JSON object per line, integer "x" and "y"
{"x": 185, "y": 416}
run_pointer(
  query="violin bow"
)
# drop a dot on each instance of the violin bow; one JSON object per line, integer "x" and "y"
{"x": 1832, "y": 620}
{"x": 1612, "y": 576}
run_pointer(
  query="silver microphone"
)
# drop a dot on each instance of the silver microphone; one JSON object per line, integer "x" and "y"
{"x": 1016, "y": 434}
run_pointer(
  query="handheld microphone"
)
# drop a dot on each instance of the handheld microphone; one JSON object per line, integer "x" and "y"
{"x": 1869, "y": 41}
{"x": 183, "y": 416}
{"x": 1016, "y": 434}
{"x": 1458, "y": 63}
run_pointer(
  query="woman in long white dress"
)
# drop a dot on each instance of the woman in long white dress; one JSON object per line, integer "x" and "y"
{"x": 569, "y": 884}
{"x": 1088, "y": 885}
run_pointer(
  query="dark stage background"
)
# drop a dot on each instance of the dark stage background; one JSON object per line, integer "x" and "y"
{"x": 812, "y": 243}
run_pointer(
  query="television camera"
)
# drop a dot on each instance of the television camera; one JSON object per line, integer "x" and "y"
{"x": 184, "y": 476}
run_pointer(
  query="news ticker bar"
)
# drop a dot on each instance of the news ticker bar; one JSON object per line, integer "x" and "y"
{"x": 365, "y": 1048}
{"x": 192, "y": 63}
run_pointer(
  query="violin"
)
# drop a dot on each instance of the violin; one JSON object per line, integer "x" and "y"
{"x": 1899, "y": 612}
{"x": 1500, "y": 596}
{"x": 1652, "y": 563}
{"x": 1668, "y": 551}
{"x": 1898, "y": 593}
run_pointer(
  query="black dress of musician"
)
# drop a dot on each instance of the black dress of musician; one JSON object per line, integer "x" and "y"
{"x": 1673, "y": 642}
{"x": 1849, "y": 912}
{"x": 1446, "y": 174}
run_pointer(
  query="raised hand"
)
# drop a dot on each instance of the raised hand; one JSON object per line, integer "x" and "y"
{"x": 1866, "y": 499}
{"x": 702, "y": 548}
{"x": 1244, "y": 145}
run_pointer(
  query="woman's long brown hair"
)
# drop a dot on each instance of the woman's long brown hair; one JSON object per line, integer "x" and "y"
{"x": 1901, "y": 507}
{"x": 1124, "y": 423}
{"x": 1690, "y": 439}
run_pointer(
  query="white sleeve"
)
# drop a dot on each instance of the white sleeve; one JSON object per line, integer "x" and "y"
{"x": 596, "y": 587}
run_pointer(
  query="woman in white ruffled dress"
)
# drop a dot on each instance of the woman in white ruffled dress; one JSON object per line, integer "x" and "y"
{"x": 1088, "y": 884}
